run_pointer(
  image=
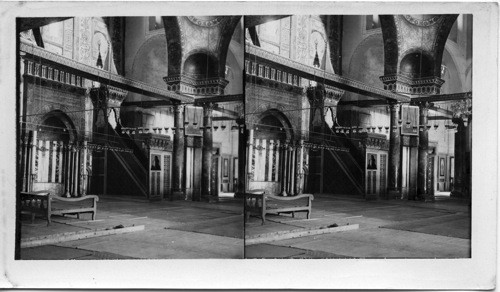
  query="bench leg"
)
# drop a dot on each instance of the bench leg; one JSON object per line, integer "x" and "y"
{"x": 293, "y": 214}
{"x": 308, "y": 214}
{"x": 263, "y": 218}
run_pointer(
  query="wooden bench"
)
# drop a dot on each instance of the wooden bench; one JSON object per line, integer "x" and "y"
{"x": 259, "y": 203}
{"x": 45, "y": 204}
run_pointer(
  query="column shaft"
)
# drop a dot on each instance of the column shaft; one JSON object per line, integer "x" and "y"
{"x": 292, "y": 172}
{"x": 178, "y": 155}
{"x": 394, "y": 169}
{"x": 67, "y": 167}
{"x": 34, "y": 151}
{"x": 249, "y": 158}
{"x": 84, "y": 170}
{"x": 300, "y": 169}
{"x": 423, "y": 146}
{"x": 206, "y": 163}
{"x": 284, "y": 181}
{"x": 241, "y": 157}
{"x": 76, "y": 176}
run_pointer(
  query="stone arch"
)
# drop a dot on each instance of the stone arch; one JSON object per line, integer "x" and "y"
{"x": 468, "y": 78}
{"x": 452, "y": 77}
{"x": 445, "y": 25}
{"x": 151, "y": 56}
{"x": 234, "y": 75}
{"x": 391, "y": 50}
{"x": 58, "y": 126}
{"x": 367, "y": 62}
{"x": 174, "y": 44}
{"x": 227, "y": 31}
{"x": 269, "y": 120}
{"x": 150, "y": 64}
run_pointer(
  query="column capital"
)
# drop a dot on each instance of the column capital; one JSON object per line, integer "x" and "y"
{"x": 208, "y": 105}
{"x": 179, "y": 107}
{"x": 423, "y": 104}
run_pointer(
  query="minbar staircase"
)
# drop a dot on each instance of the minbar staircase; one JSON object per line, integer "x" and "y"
{"x": 126, "y": 172}
{"x": 342, "y": 171}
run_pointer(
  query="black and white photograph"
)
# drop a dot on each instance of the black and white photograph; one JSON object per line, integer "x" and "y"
{"x": 127, "y": 126}
{"x": 323, "y": 92}
{"x": 249, "y": 145}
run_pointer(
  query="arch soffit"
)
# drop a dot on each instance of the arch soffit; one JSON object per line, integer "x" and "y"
{"x": 282, "y": 118}
{"x": 456, "y": 68}
{"x": 237, "y": 49}
{"x": 151, "y": 39}
{"x": 226, "y": 37}
{"x": 64, "y": 118}
{"x": 359, "y": 48}
{"x": 173, "y": 34}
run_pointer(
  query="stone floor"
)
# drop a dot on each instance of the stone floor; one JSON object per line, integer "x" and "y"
{"x": 178, "y": 229}
{"x": 387, "y": 229}
{"x": 198, "y": 230}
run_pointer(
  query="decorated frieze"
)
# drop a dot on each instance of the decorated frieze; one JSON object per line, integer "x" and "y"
{"x": 196, "y": 86}
{"x": 372, "y": 141}
{"x": 271, "y": 76}
{"x": 44, "y": 72}
{"x": 155, "y": 141}
{"x": 413, "y": 86}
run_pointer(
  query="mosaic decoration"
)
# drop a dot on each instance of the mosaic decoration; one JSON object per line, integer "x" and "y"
{"x": 206, "y": 21}
{"x": 424, "y": 20}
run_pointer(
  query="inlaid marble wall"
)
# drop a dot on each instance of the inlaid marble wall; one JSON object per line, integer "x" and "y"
{"x": 297, "y": 37}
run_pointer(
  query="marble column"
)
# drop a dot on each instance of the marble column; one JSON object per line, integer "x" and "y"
{"x": 33, "y": 169}
{"x": 459, "y": 179}
{"x": 241, "y": 157}
{"x": 423, "y": 147}
{"x": 300, "y": 169}
{"x": 284, "y": 180}
{"x": 206, "y": 162}
{"x": 67, "y": 167}
{"x": 292, "y": 171}
{"x": 84, "y": 169}
{"x": 76, "y": 165}
{"x": 178, "y": 189}
{"x": 394, "y": 169}
{"x": 249, "y": 175}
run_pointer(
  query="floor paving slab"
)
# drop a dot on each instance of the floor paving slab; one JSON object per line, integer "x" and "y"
{"x": 165, "y": 244}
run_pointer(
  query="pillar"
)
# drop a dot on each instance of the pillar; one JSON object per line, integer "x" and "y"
{"x": 32, "y": 177}
{"x": 284, "y": 180}
{"x": 423, "y": 147}
{"x": 178, "y": 190}
{"x": 394, "y": 169}
{"x": 242, "y": 155}
{"x": 84, "y": 169}
{"x": 76, "y": 164}
{"x": 300, "y": 169}
{"x": 270, "y": 160}
{"x": 206, "y": 162}
{"x": 292, "y": 171}
{"x": 67, "y": 167}
{"x": 460, "y": 151}
{"x": 249, "y": 175}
